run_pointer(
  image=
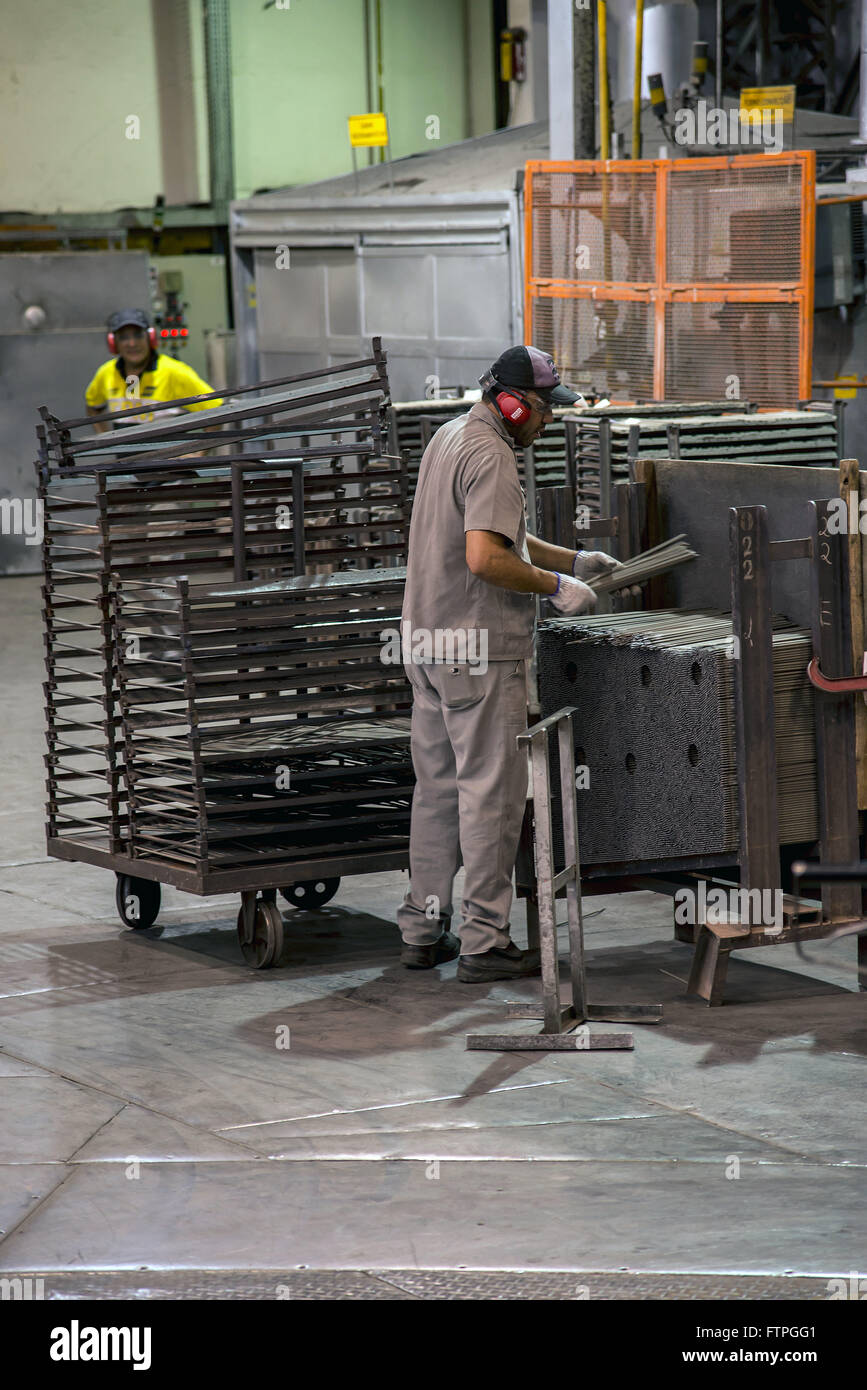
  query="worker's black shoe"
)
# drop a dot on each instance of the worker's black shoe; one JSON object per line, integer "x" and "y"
{"x": 434, "y": 953}
{"x": 508, "y": 963}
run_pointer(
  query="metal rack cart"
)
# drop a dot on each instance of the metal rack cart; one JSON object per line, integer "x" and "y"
{"x": 269, "y": 746}
{"x": 298, "y": 482}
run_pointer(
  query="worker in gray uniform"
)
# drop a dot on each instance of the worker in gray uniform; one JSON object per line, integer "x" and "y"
{"x": 468, "y": 624}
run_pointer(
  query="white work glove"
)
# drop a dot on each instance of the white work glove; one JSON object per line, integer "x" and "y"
{"x": 571, "y": 596}
{"x": 589, "y": 564}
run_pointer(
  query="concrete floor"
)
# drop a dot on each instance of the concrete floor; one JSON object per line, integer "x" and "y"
{"x": 149, "y": 1121}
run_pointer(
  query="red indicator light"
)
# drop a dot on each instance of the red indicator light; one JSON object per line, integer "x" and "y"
{"x": 164, "y": 332}
{"x": 174, "y": 332}
{"x": 184, "y": 332}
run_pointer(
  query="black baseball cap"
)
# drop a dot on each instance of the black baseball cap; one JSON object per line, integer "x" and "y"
{"x": 125, "y": 316}
{"x": 531, "y": 369}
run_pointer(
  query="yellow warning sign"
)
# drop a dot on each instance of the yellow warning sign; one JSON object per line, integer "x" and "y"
{"x": 371, "y": 129}
{"x": 843, "y": 393}
{"x": 771, "y": 99}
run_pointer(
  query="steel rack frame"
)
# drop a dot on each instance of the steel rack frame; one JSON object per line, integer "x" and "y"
{"x": 143, "y": 506}
{"x": 637, "y": 525}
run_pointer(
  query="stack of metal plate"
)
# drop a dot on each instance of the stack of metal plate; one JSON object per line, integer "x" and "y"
{"x": 412, "y": 425}
{"x": 298, "y": 483}
{"x": 600, "y": 443}
{"x": 774, "y": 436}
{"x": 605, "y": 445}
{"x": 261, "y": 723}
{"x": 549, "y": 455}
{"x": 656, "y": 761}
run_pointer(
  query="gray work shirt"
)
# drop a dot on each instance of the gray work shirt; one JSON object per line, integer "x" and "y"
{"x": 468, "y": 481}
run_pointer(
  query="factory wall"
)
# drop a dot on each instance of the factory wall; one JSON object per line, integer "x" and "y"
{"x": 301, "y": 71}
{"x": 70, "y": 76}
{"x": 70, "y": 83}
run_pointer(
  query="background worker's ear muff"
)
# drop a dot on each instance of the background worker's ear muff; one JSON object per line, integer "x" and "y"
{"x": 111, "y": 339}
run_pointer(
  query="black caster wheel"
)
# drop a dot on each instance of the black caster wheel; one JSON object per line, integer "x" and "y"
{"x": 267, "y": 944}
{"x": 316, "y": 892}
{"x": 138, "y": 901}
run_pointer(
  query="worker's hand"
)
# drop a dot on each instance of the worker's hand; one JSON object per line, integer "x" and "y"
{"x": 589, "y": 564}
{"x": 572, "y": 596}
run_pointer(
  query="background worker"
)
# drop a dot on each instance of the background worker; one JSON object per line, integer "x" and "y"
{"x": 139, "y": 373}
{"x": 139, "y": 370}
{"x": 473, "y": 569}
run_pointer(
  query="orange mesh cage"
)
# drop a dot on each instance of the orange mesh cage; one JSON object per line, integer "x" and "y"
{"x": 678, "y": 280}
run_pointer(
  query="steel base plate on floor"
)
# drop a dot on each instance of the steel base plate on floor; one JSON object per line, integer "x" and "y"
{"x": 595, "y": 1013}
{"x": 428, "y": 1284}
{"x": 549, "y": 1042}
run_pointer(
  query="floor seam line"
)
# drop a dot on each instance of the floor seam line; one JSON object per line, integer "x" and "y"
{"x": 127, "y": 1101}
{"x": 30, "y": 898}
{"x": 73, "y": 1156}
{"x": 426, "y": 1158}
{"x": 55, "y": 1191}
{"x": 378, "y": 1277}
{"x": 742, "y": 1134}
{"x": 397, "y": 1105}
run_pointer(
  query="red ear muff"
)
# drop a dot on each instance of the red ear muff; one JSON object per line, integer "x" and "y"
{"x": 514, "y": 408}
{"x": 112, "y": 340}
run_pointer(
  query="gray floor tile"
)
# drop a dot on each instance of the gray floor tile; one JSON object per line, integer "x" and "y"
{"x": 12, "y": 1066}
{"x": 660, "y": 1138}
{"x": 464, "y": 1216}
{"x": 46, "y": 1119}
{"x": 141, "y": 1134}
{"x": 22, "y": 1187}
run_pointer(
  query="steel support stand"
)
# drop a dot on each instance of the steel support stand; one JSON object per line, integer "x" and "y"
{"x": 559, "y": 1021}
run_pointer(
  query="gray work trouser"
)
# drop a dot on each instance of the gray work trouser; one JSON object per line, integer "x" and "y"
{"x": 470, "y": 793}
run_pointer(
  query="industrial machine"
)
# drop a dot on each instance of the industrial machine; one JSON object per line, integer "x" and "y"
{"x": 711, "y": 756}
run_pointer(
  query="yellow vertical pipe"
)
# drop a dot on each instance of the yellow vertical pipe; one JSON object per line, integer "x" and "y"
{"x": 636, "y": 92}
{"x": 604, "y": 112}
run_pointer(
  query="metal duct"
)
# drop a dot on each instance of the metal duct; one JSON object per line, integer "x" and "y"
{"x": 218, "y": 80}
{"x": 669, "y": 32}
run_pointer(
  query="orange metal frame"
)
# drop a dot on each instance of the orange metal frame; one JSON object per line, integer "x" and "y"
{"x": 662, "y": 292}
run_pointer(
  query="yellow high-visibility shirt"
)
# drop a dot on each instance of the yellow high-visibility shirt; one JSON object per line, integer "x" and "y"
{"x": 163, "y": 379}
